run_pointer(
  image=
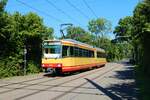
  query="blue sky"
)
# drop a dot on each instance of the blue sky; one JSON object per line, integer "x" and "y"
{"x": 112, "y": 10}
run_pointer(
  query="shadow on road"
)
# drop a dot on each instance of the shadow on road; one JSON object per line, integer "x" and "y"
{"x": 108, "y": 93}
{"x": 126, "y": 90}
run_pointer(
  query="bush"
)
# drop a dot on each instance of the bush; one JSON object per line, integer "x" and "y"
{"x": 32, "y": 67}
{"x": 11, "y": 66}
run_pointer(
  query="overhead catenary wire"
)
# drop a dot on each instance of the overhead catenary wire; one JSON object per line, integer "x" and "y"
{"x": 63, "y": 12}
{"x": 90, "y": 8}
{"x": 77, "y": 9}
{"x": 47, "y": 14}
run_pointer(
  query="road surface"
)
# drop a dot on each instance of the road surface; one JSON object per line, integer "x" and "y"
{"x": 115, "y": 81}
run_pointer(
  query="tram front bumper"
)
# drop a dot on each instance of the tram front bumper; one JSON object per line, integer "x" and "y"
{"x": 52, "y": 65}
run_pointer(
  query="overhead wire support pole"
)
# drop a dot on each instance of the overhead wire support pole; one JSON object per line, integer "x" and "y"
{"x": 60, "y": 10}
{"x": 90, "y": 8}
{"x": 25, "y": 60}
{"x": 77, "y": 9}
{"x": 47, "y": 14}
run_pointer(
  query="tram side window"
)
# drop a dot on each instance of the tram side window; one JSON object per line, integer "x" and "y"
{"x": 83, "y": 53}
{"x": 101, "y": 55}
{"x": 76, "y": 52}
{"x": 91, "y": 54}
{"x": 71, "y": 51}
{"x": 80, "y": 52}
{"x": 46, "y": 50}
{"x": 86, "y": 53}
{"x": 65, "y": 51}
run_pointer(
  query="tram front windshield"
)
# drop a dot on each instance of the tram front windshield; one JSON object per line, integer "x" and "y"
{"x": 52, "y": 51}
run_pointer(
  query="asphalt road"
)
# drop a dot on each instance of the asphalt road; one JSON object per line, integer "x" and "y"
{"x": 115, "y": 81}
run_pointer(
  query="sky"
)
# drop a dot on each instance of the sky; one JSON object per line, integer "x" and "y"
{"x": 77, "y": 12}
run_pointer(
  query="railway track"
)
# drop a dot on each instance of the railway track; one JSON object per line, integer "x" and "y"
{"x": 27, "y": 85}
{"x": 24, "y": 83}
{"x": 51, "y": 87}
{"x": 98, "y": 84}
{"x": 70, "y": 80}
{"x": 21, "y": 82}
{"x": 99, "y": 76}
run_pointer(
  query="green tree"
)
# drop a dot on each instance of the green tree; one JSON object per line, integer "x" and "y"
{"x": 16, "y": 32}
{"x": 34, "y": 25}
{"x": 32, "y": 33}
{"x": 79, "y": 34}
{"x": 2, "y": 16}
{"x": 138, "y": 28}
{"x": 47, "y": 33}
{"x": 100, "y": 26}
{"x": 141, "y": 31}
{"x": 2, "y": 5}
{"x": 123, "y": 31}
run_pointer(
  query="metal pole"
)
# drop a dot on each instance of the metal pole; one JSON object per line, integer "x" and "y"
{"x": 25, "y": 59}
{"x": 62, "y": 29}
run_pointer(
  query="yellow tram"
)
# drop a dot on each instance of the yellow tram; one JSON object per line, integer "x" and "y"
{"x": 69, "y": 55}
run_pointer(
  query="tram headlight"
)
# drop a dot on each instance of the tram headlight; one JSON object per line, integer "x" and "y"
{"x": 43, "y": 65}
{"x": 59, "y": 65}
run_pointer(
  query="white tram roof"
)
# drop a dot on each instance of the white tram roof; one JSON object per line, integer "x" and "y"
{"x": 79, "y": 43}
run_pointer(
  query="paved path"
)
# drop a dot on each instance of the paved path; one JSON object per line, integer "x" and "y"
{"x": 115, "y": 81}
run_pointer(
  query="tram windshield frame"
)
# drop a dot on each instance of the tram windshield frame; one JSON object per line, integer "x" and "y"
{"x": 52, "y": 50}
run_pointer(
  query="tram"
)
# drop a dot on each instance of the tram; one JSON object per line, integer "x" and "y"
{"x": 67, "y": 55}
